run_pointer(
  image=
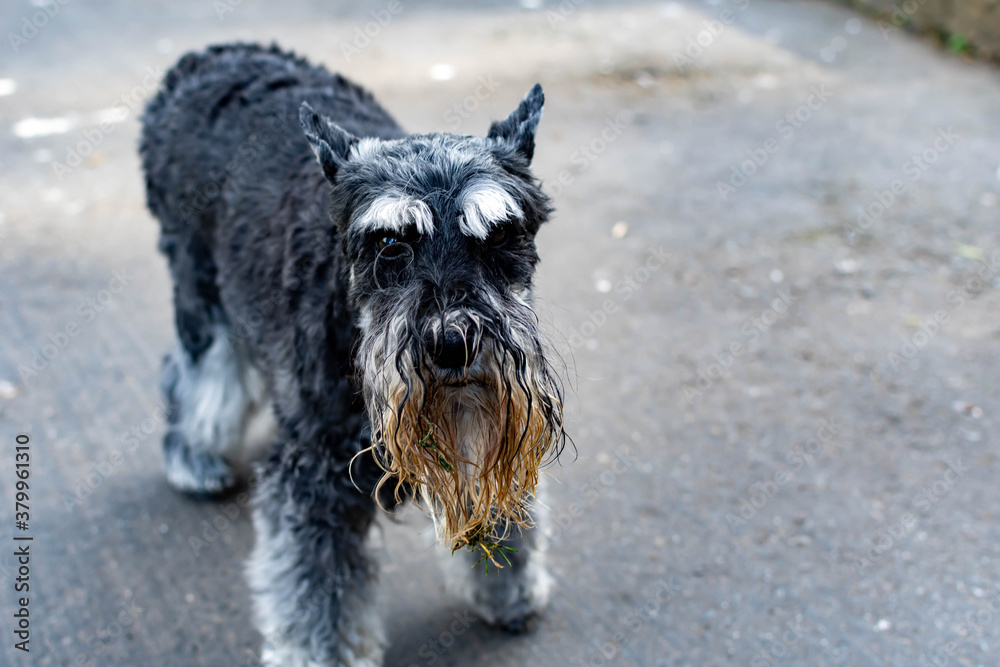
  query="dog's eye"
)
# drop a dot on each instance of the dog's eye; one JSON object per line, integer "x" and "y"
{"x": 498, "y": 236}
{"x": 390, "y": 246}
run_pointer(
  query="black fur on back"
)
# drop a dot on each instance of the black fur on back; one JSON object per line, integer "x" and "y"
{"x": 237, "y": 190}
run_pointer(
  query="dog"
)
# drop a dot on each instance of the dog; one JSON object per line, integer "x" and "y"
{"x": 369, "y": 293}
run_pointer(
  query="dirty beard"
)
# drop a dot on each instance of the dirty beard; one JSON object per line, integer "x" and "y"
{"x": 470, "y": 451}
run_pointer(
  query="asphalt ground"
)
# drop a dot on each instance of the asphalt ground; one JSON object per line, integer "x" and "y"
{"x": 772, "y": 275}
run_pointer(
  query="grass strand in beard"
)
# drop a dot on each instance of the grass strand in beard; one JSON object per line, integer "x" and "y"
{"x": 489, "y": 544}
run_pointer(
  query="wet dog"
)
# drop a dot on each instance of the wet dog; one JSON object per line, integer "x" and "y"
{"x": 371, "y": 291}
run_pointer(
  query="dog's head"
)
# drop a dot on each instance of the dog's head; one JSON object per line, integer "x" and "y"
{"x": 439, "y": 234}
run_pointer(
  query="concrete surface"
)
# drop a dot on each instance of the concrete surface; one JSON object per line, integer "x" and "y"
{"x": 795, "y": 507}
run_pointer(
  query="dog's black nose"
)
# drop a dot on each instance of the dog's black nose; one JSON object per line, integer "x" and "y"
{"x": 453, "y": 351}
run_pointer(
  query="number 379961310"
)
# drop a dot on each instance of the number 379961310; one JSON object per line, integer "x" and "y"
{"x": 22, "y": 463}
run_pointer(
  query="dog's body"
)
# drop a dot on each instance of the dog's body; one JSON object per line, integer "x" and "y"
{"x": 364, "y": 287}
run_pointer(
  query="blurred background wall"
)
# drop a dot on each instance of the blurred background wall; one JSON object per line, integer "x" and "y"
{"x": 970, "y": 26}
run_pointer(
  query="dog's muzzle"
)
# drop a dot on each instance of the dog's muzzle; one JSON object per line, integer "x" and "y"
{"x": 464, "y": 411}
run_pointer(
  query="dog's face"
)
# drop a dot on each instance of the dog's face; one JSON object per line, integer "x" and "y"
{"x": 439, "y": 233}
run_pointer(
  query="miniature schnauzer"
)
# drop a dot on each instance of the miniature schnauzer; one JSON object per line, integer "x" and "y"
{"x": 371, "y": 292}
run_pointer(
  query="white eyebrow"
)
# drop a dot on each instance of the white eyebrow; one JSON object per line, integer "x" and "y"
{"x": 484, "y": 204}
{"x": 396, "y": 213}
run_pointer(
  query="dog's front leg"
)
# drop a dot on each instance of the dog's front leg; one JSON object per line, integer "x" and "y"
{"x": 311, "y": 578}
{"x": 510, "y": 597}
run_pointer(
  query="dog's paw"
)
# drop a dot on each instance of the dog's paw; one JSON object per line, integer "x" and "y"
{"x": 509, "y": 600}
{"x": 198, "y": 473}
{"x": 519, "y": 625}
{"x": 287, "y": 655}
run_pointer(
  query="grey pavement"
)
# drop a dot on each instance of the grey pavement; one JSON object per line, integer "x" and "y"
{"x": 784, "y": 411}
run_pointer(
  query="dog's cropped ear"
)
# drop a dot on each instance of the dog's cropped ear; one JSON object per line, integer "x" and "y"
{"x": 519, "y": 128}
{"x": 330, "y": 142}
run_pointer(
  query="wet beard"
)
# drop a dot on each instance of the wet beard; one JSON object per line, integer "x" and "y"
{"x": 471, "y": 451}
